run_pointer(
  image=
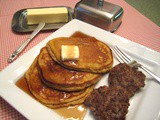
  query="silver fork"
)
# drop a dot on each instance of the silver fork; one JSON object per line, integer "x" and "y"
{"x": 124, "y": 58}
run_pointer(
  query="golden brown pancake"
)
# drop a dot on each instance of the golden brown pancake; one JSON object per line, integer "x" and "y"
{"x": 58, "y": 77}
{"x": 72, "y": 103}
{"x": 51, "y": 97}
{"x": 95, "y": 56}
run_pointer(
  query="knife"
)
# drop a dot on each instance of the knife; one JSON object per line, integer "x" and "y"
{"x": 15, "y": 54}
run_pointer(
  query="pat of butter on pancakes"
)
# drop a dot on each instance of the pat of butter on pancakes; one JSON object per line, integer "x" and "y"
{"x": 69, "y": 52}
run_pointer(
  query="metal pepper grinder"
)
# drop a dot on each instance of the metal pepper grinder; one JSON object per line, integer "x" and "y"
{"x": 99, "y": 13}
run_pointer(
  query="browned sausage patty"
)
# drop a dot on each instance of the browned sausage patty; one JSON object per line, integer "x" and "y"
{"x": 108, "y": 103}
{"x": 127, "y": 77}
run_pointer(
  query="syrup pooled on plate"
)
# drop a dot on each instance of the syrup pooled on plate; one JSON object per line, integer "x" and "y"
{"x": 69, "y": 113}
{"x": 73, "y": 112}
{"x": 22, "y": 84}
{"x": 79, "y": 34}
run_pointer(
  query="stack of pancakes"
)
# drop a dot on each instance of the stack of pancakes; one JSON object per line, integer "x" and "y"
{"x": 57, "y": 83}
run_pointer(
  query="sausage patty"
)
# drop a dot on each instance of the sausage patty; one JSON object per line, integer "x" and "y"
{"x": 108, "y": 103}
{"x": 127, "y": 77}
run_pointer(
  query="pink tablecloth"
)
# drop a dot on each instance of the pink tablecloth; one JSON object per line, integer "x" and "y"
{"x": 135, "y": 27}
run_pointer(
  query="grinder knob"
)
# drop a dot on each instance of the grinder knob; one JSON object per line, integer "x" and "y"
{"x": 100, "y": 2}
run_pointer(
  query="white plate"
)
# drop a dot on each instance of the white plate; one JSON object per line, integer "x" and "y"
{"x": 145, "y": 105}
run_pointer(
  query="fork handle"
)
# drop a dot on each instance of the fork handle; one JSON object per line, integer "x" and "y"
{"x": 150, "y": 73}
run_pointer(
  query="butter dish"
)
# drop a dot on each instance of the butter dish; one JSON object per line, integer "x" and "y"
{"x": 99, "y": 13}
{"x": 19, "y": 21}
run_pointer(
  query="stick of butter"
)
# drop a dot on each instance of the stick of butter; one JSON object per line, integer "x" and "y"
{"x": 69, "y": 52}
{"x": 47, "y": 15}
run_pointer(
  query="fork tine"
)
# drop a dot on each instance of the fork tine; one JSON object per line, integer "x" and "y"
{"x": 117, "y": 55}
{"x": 125, "y": 56}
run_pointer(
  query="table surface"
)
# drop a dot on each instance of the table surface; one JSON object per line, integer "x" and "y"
{"x": 134, "y": 27}
{"x": 148, "y": 8}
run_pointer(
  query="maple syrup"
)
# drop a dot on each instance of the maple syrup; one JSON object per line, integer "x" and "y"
{"x": 79, "y": 34}
{"x": 76, "y": 112}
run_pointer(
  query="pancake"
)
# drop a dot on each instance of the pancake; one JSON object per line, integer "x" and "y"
{"x": 58, "y": 77}
{"x": 95, "y": 56}
{"x": 51, "y": 97}
{"x": 72, "y": 103}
